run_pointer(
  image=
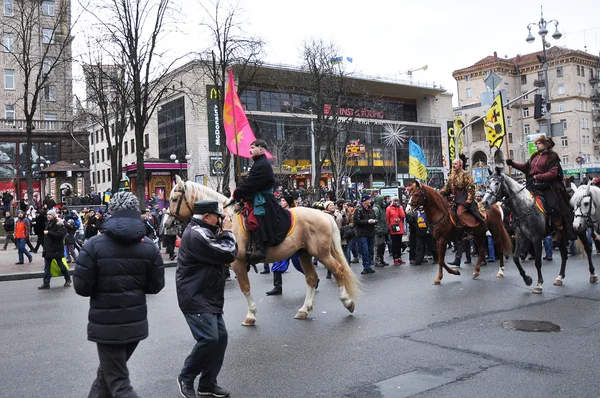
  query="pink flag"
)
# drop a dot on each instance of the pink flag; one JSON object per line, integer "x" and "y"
{"x": 237, "y": 129}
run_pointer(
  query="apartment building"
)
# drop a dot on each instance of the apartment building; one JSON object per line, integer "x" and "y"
{"x": 574, "y": 97}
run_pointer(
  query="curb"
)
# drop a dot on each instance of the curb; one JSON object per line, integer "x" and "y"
{"x": 40, "y": 274}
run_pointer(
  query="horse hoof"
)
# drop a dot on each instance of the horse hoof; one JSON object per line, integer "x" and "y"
{"x": 528, "y": 280}
{"x": 351, "y": 307}
{"x": 537, "y": 290}
{"x": 249, "y": 322}
{"x": 558, "y": 282}
{"x": 457, "y": 272}
{"x": 475, "y": 275}
{"x": 499, "y": 275}
{"x": 593, "y": 278}
{"x": 301, "y": 315}
{"x": 437, "y": 282}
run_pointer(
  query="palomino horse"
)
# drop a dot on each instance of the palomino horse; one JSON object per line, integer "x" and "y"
{"x": 530, "y": 224}
{"x": 314, "y": 234}
{"x": 444, "y": 228}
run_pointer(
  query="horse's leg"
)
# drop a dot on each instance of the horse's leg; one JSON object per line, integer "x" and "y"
{"x": 479, "y": 240}
{"x": 311, "y": 283}
{"x": 337, "y": 264}
{"x": 500, "y": 273}
{"x": 588, "y": 251}
{"x": 526, "y": 278}
{"x": 562, "y": 247}
{"x": 442, "y": 244}
{"x": 239, "y": 268}
{"x": 537, "y": 249}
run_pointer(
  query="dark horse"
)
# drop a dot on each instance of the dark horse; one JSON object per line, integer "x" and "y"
{"x": 530, "y": 225}
{"x": 444, "y": 228}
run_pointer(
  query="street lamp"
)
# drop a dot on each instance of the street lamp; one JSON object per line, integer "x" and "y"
{"x": 543, "y": 31}
{"x": 187, "y": 158}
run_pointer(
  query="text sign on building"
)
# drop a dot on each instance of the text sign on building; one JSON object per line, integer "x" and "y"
{"x": 215, "y": 121}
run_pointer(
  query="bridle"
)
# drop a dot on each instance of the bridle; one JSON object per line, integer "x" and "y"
{"x": 422, "y": 198}
{"x": 578, "y": 214}
{"x": 497, "y": 196}
{"x": 182, "y": 199}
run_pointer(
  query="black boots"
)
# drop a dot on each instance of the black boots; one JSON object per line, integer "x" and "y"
{"x": 260, "y": 249}
{"x": 277, "y": 284}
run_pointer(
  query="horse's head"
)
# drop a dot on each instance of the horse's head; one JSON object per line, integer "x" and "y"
{"x": 180, "y": 206}
{"x": 495, "y": 191}
{"x": 417, "y": 196}
{"x": 584, "y": 206}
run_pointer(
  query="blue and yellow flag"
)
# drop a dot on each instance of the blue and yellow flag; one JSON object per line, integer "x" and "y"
{"x": 417, "y": 165}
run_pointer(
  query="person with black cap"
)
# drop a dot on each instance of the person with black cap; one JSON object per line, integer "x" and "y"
{"x": 207, "y": 248}
{"x": 365, "y": 220}
{"x": 116, "y": 270}
{"x": 257, "y": 188}
{"x": 544, "y": 177}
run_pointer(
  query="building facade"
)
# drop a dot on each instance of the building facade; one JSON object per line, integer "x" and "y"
{"x": 189, "y": 123}
{"x": 573, "y": 95}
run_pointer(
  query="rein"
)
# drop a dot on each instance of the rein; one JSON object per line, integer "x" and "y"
{"x": 182, "y": 198}
{"x": 578, "y": 213}
{"x": 520, "y": 219}
{"x": 431, "y": 223}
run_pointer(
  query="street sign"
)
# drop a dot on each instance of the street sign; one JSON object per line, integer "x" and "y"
{"x": 492, "y": 81}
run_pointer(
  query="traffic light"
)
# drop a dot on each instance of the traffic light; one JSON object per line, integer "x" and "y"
{"x": 537, "y": 106}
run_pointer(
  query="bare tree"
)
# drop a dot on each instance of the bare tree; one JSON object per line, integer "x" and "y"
{"x": 230, "y": 46}
{"x": 37, "y": 43}
{"x": 131, "y": 32}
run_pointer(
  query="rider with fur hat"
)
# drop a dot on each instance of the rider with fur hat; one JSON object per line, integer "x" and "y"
{"x": 544, "y": 176}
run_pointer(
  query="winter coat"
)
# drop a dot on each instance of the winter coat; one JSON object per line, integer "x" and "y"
{"x": 116, "y": 270}
{"x": 39, "y": 223}
{"x": 361, "y": 217}
{"x": 395, "y": 216}
{"x": 54, "y": 241}
{"x": 200, "y": 275}
{"x": 9, "y": 224}
{"x": 381, "y": 227}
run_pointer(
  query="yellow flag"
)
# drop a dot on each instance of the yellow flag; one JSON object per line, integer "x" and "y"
{"x": 495, "y": 129}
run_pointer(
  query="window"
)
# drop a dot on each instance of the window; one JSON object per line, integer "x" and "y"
{"x": 585, "y": 105}
{"x": 9, "y": 79}
{"x": 543, "y": 92}
{"x": 540, "y": 75}
{"x": 511, "y": 154}
{"x": 526, "y": 97}
{"x": 48, "y": 63}
{"x": 469, "y": 93}
{"x": 586, "y": 123}
{"x": 578, "y": 71}
{"x": 581, "y": 105}
{"x": 103, "y": 175}
{"x": 523, "y": 79}
{"x": 47, "y": 36}
{"x": 559, "y": 71}
{"x": 9, "y": 112}
{"x": 506, "y": 86}
{"x": 588, "y": 158}
{"x": 108, "y": 173}
{"x": 561, "y": 88}
{"x": 132, "y": 146}
{"x": 561, "y": 106}
{"x": 565, "y": 159}
{"x": 126, "y": 147}
{"x": 48, "y": 7}
{"x": 525, "y": 112}
{"x": 583, "y": 87}
{"x": 8, "y": 42}
{"x": 510, "y": 138}
{"x": 98, "y": 176}
{"x": 526, "y": 129}
{"x": 564, "y": 142}
{"x": 564, "y": 123}
{"x": 98, "y": 160}
{"x": 581, "y": 123}
{"x": 8, "y": 8}
{"x": 582, "y": 71}
{"x": 509, "y": 121}
{"x": 147, "y": 141}
{"x": 102, "y": 155}
{"x": 468, "y": 78}
{"x": 50, "y": 93}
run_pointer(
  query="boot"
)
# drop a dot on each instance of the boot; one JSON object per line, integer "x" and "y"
{"x": 259, "y": 254}
{"x": 277, "y": 284}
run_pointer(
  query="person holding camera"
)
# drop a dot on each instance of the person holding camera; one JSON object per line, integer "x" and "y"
{"x": 394, "y": 215}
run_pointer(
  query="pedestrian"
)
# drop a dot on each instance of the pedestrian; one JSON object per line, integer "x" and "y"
{"x": 170, "y": 237}
{"x": 381, "y": 231}
{"x": 21, "y": 235}
{"x": 71, "y": 230}
{"x": 9, "y": 228}
{"x": 54, "y": 248}
{"x": 394, "y": 215}
{"x": 207, "y": 245}
{"x": 425, "y": 241}
{"x": 116, "y": 270}
{"x": 364, "y": 220}
{"x": 39, "y": 224}
{"x": 91, "y": 225}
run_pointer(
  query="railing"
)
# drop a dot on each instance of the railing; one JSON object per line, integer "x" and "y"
{"x": 44, "y": 125}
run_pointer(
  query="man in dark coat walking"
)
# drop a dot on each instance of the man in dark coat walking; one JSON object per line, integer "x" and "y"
{"x": 206, "y": 246}
{"x": 116, "y": 270}
{"x": 54, "y": 248}
{"x": 273, "y": 220}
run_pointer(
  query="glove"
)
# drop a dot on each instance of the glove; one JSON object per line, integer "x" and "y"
{"x": 509, "y": 162}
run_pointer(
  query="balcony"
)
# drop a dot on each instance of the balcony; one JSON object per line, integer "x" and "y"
{"x": 594, "y": 80}
{"x": 595, "y": 97}
{"x": 38, "y": 125}
{"x": 539, "y": 83}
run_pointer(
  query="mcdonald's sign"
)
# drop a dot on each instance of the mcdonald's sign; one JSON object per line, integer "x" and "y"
{"x": 214, "y": 107}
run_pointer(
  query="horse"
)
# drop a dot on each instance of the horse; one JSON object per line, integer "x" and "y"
{"x": 445, "y": 228}
{"x": 585, "y": 202}
{"x": 530, "y": 224}
{"x": 314, "y": 234}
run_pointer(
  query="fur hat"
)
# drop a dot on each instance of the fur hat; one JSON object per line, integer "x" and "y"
{"x": 51, "y": 212}
{"x": 123, "y": 201}
{"x": 547, "y": 141}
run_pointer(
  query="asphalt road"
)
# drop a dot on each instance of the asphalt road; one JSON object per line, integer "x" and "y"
{"x": 407, "y": 338}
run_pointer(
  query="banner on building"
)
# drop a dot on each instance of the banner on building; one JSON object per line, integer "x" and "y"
{"x": 215, "y": 120}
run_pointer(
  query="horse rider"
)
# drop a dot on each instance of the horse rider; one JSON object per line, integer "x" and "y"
{"x": 461, "y": 186}
{"x": 257, "y": 187}
{"x": 544, "y": 177}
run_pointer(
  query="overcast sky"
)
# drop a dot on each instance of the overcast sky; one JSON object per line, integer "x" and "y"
{"x": 389, "y": 37}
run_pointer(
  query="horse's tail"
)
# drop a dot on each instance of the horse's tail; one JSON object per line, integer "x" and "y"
{"x": 350, "y": 281}
{"x": 496, "y": 228}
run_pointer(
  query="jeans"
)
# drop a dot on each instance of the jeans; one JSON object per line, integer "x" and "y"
{"x": 22, "y": 249}
{"x": 112, "y": 379}
{"x": 48, "y": 275}
{"x": 548, "y": 245}
{"x": 491, "y": 249}
{"x": 366, "y": 246}
{"x": 207, "y": 355}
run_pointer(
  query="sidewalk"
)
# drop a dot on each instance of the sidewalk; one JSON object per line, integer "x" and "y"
{"x": 9, "y": 271}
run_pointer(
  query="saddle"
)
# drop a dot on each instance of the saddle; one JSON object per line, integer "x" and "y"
{"x": 463, "y": 218}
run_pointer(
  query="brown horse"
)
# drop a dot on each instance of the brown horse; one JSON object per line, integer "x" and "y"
{"x": 314, "y": 234}
{"x": 444, "y": 229}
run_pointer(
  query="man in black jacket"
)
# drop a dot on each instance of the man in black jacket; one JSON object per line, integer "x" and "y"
{"x": 9, "y": 227}
{"x": 54, "y": 248}
{"x": 364, "y": 221}
{"x": 207, "y": 246}
{"x": 116, "y": 270}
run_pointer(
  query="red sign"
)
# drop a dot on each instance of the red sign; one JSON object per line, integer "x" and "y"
{"x": 356, "y": 112}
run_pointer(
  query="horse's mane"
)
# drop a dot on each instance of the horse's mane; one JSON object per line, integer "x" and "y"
{"x": 435, "y": 197}
{"x": 196, "y": 192}
{"x": 580, "y": 192}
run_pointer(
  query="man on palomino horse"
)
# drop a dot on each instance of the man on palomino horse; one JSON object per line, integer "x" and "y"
{"x": 544, "y": 176}
{"x": 461, "y": 186}
{"x": 257, "y": 188}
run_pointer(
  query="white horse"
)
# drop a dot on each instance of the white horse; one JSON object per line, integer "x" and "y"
{"x": 314, "y": 234}
{"x": 585, "y": 201}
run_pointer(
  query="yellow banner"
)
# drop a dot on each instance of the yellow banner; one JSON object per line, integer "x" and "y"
{"x": 495, "y": 129}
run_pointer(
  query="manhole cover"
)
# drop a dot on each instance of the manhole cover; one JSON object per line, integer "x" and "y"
{"x": 531, "y": 326}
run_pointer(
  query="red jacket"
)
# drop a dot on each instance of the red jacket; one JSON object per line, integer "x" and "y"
{"x": 395, "y": 215}
{"x": 21, "y": 229}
